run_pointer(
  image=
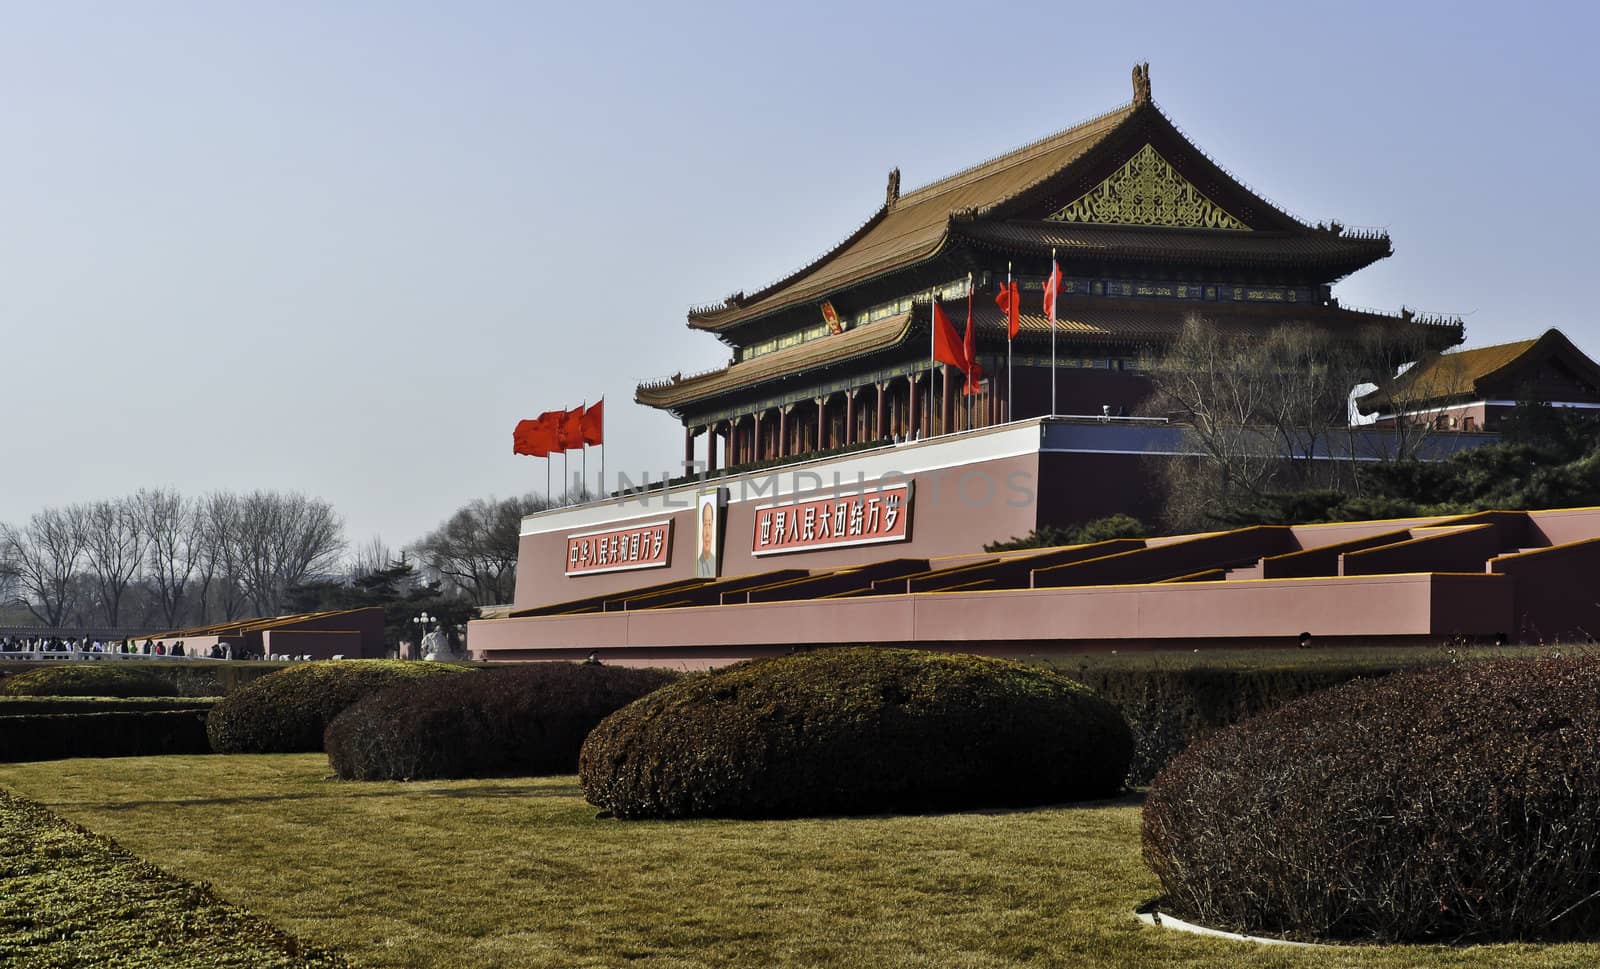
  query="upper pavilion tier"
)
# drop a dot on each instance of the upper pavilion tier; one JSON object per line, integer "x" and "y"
{"x": 1124, "y": 193}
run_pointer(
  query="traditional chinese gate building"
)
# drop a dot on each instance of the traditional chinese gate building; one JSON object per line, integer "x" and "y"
{"x": 1147, "y": 229}
{"x": 847, "y": 490}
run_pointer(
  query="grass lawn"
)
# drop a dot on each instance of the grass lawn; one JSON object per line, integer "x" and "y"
{"x": 521, "y": 872}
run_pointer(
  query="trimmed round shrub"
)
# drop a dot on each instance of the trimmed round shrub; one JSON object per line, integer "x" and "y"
{"x": 286, "y": 711}
{"x": 520, "y": 720}
{"x": 85, "y": 678}
{"x": 1459, "y": 803}
{"x": 856, "y": 731}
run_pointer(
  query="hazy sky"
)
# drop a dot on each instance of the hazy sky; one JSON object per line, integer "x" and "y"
{"x": 343, "y": 248}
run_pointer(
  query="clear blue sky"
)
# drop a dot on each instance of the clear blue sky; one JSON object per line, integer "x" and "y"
{"x": 343, "y": 247}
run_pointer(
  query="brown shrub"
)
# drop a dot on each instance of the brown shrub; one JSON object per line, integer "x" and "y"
{"x": 1446, "y": 804}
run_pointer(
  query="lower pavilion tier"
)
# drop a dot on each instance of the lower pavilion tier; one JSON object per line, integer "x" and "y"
{"x": 871, "y": 383}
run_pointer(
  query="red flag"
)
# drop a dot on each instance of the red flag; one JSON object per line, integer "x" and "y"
{"x": 533, "y": 437}
{"x": 1052, "y": 288}
{"x": 1009, "y": 299}
{"x": 572, "y": 429}
{"x": 969, "y": 349}
{"x": 594, "y": 423}
{"x": 947, "y": 347}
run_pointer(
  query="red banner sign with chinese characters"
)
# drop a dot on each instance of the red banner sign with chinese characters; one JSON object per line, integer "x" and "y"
{"x": 835, "y": 521}
{"x": 645, "y": 546}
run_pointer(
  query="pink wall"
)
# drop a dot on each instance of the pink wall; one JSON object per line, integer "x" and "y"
{"x": 1172, "y": 559}
{"x": 1558, "y": 592}
{"x": 1324, "y": 559}
{"x": 1463, "y": 550}
{"x": 944, "y": 522}
{"x": 1417, "y": 606}
{"x": 1563, "y": 526}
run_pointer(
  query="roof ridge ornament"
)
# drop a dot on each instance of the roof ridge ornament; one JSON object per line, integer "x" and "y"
{"x": 891, "y": 195}
{"x": 1141, "y": 83}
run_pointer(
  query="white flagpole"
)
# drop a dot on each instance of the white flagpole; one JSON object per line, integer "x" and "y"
{"x": 970, "y": 363}
{"x": 1054, "y": 298}
{"x": 1009, "y": 296}
{"x": 602, "y": 445}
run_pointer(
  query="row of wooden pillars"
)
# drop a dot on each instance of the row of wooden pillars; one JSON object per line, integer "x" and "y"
{"x": 888, "y": 411}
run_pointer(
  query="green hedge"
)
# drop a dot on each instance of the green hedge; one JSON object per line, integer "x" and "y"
{"x": 87, "y": 678}
{"x": 1169, "y": 708}
{"x": 132, "y": 734}
{"x": 287, "y": 711}
{"x": 856, "y": 731}
{"x": 517, "y": 720}
{"x": 74, "y": 900}
{"x": 185, "y": 677}
{"x": 11, "y": 706}
{"x": 1452, "y": 804}
{"x": 212, "y": 677}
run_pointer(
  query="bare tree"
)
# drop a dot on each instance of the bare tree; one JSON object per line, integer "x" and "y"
{"x": 1265, "y": 411}
{"x": 475, "y": 550}
{"x": 114, "y": 545}
{"x": 221, "y": 561}
{"x": 1415, "y": 384}
{"x": 9, "y": 587}
{"x": 282, "y": 540}
{"x": 174, "y": 528}
{"x": 1214, "y": 382}
{"x": 43, "y": 557}
{"x": 371, "y": 556}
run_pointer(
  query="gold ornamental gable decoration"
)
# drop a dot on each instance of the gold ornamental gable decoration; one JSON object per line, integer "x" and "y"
{"x": 1147, "y": 191}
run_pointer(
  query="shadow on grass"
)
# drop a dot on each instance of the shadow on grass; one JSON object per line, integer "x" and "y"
{"x": 358, "y": 789}
{"x": 1133, "y": 798}
{"x": 340, "y": 791}
{"x": 1128, "y": 799}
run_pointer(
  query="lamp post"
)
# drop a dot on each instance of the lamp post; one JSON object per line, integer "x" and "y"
{"x": 425, "y": 624}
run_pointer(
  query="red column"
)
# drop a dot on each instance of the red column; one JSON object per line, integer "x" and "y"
{"x": 849, "y": 418}
{"x": 759, "y": 446}
{"x": 711, "y": 447}
{"x": 729, "y": 454}
{"x": 688, "y": 447}
{"x": 822, "y": 423}
{"x": 783, "y": 431}
{"x": 994, "y": 391}
{"x": 946, "y": 405}
{"x": 914, "y": 424}
{"x": 883, "y": 411}
{"x": 993, "y": 373}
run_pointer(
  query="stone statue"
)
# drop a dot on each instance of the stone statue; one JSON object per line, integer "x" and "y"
{"x": 891, "y": 194}
{"x": 436, "y": 646}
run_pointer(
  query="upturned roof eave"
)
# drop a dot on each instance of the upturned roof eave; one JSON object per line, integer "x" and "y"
{"x": 906, "y": 263}
{"x": 674, "y": 396}
{"x": 743, "y": 310}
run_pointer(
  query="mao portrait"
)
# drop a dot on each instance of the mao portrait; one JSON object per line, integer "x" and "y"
{"x": 705, "y": 560}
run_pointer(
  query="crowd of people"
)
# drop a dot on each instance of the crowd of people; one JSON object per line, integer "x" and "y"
{"x": 127, "y": 647}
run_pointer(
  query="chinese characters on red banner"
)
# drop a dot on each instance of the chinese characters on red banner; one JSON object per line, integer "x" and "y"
{"x": 835, "y": 521}
{"x": 644, "y": 546}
